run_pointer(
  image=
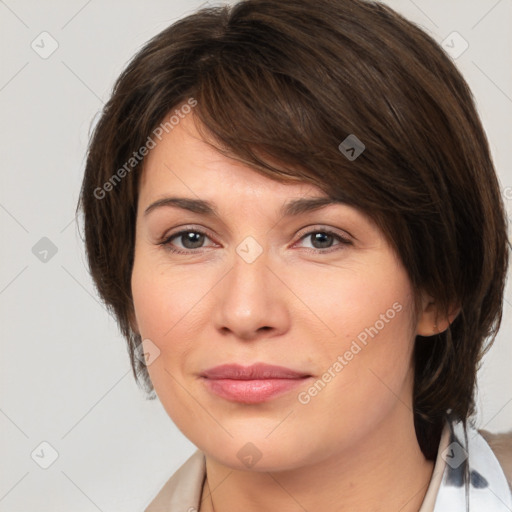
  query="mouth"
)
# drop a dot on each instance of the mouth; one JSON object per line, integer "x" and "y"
{"x": 252, "y": 384}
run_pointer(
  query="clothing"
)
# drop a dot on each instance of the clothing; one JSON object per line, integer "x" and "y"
{"x": 459, "y": 465}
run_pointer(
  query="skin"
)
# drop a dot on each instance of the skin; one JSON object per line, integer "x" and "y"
{"x": 354, "y": 442}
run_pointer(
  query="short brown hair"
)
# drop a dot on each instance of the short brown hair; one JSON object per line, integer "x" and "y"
{"x": 287, "y": 81}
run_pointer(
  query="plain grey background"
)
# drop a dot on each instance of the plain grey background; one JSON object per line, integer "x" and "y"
{"x": 64, "y": 371}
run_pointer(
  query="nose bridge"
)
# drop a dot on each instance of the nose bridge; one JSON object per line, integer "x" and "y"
{"x": 248, "y": 285}
{"x": 248, "y": 300}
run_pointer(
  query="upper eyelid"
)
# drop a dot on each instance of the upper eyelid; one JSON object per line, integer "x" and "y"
{"x": 344, "y": 235}
{"x": 321, "y": 227}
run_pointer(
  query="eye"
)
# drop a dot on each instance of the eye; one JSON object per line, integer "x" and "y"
{"x": 322, "y": 239}
{"x": 190, "y": 239}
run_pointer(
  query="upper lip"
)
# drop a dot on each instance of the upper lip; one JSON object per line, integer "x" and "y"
{"x": 253, "y": 372}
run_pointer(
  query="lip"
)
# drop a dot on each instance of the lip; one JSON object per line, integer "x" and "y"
{"x": 255, "y": 371}
{"x": 253, "y": 384}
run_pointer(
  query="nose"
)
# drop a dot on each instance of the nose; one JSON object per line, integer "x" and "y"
{"x": 251, "y": 301}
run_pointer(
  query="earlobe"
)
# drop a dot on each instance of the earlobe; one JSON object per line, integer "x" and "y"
{"x": 431, "y": 320}
{"x": 133, "y": 322}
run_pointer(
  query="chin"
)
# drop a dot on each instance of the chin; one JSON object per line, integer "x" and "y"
{"x": 255, "y": 450}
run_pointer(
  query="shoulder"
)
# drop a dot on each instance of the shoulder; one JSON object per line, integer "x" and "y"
{"x": 501, "y": 445}
{"x": 183, "y": 489}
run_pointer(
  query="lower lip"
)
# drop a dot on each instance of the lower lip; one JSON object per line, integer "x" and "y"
{"x": 252, "y": 391}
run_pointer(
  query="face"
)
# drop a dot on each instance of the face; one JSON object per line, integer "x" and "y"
{"x": 319, "y": 293}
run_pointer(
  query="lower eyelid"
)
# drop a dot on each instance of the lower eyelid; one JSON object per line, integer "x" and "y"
{"x": 166, "y": 242}
{"x": 342, "y": 240}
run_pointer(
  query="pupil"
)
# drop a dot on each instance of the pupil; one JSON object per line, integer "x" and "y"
{"x": 323, "y": 239}
{"x": 195, "y": 239}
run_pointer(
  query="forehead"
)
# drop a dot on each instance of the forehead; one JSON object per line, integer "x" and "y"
{"x": 183, "y": 162}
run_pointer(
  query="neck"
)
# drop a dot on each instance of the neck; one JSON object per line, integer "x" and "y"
{"x": 385, "y": 471}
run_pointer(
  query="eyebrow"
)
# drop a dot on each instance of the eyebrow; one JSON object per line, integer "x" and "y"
{"x": 291, "y": 208}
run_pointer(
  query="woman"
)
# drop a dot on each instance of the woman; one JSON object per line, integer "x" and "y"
{"x": 292, "y": 211}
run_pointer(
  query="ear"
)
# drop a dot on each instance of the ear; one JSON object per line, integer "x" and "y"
{"x": 133, "y": 321}
{"x": 431, "y": 320}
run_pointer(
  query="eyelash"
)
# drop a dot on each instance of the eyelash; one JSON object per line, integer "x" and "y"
{"x": 343, "y": 241}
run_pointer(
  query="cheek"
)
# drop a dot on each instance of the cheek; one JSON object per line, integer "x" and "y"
{"x": 170, "y": 311}
{"x": 165, "y": 303}
{"x": 367, "y": 353}
{"x": 162, "y": 298}
{"x": 359, "y": 302}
